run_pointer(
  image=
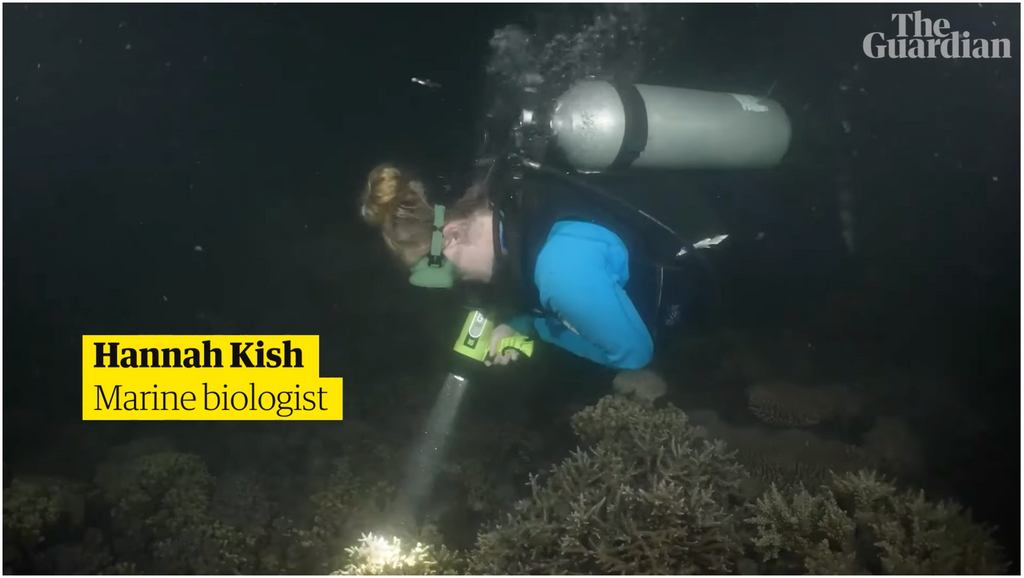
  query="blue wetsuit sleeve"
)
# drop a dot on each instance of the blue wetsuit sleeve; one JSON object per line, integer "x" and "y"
{"x": 580, "y": 274}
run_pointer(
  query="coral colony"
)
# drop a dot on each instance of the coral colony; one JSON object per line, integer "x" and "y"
{"x": 648, "y": 492}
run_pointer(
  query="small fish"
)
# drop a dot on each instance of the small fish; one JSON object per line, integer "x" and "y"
{"x": 426, "y": 82}
{"x": 704, "y": 244}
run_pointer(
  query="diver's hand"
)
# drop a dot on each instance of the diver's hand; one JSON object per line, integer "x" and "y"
{"x": 497, "y": 357}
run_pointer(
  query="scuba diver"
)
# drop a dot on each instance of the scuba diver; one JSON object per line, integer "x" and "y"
{"x": 581, "y": 269}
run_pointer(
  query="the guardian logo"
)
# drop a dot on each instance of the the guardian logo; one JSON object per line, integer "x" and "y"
{"x": 931, "y": 40}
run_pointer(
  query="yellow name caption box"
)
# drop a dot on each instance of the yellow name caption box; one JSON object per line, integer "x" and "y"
{"x": 206, "y": 377}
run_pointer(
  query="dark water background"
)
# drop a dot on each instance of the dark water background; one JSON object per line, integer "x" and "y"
{"x": 135, "y": 134}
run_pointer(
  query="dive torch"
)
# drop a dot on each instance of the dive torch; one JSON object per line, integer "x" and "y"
{"x": 473, "y": 344}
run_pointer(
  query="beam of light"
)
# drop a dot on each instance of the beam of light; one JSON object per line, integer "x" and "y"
{"x": 425, "y": 460}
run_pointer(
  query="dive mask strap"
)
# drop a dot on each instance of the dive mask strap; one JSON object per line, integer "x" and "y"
{"x": 437, "y": 237}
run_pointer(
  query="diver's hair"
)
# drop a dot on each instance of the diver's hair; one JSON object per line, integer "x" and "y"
{"x": 397, "y": 203}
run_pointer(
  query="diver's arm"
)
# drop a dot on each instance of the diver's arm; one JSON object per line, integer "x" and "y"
{"x": 579, "y": 275}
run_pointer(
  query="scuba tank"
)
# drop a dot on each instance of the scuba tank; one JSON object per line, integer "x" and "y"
{"x": 597, "y": 126}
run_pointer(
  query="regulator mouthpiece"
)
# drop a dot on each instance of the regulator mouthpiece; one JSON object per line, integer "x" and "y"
{"x": 434, "y": 271}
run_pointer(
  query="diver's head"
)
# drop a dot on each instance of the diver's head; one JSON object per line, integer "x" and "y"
{"x": 398, "y": 204}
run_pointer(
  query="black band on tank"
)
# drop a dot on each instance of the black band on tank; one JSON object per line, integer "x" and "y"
{"x": 634, "y": 141}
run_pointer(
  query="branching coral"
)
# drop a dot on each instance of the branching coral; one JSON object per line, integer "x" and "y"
{"x": 203, "y": 545}
{"x": 166, "y": 514}
{"x": 861, "y": 523}
{"x": 35, "y": 509}
{"x": 648, "y": 493}
{"x": 813, "y": 527}
{"x": 152, "y": 489}
{"x": 160, "y": 502}
{"x": 177, "y": 519}
{"x": 917, "y": 536}
{"x": 305, "y": 541}
{"x": 377, "y": 556}
{"x": 34, "y": 504}
{"x": 349, "y": 502}
{"x": 649, "y": 496}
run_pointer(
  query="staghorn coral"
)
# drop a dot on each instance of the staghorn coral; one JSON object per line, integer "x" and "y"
{"x": 917, "y": 536}
{"x": 447, "y": 561}
{"x": 35, "y": 510}
{"x": 159, "y": 505}
{"x": 203, "y": 545}
{"x": 349, "y": 501}
{"x": 618, "y": 421}
{"x": 172, "y": 516}
{"x": 791, "y": 405}
{"x": 861, "y": 523}
{"x": 376, "y": 556}
{"x": 33, "y": 505}
{"x": 649, "y": 496}
{"x": 306, "y": 544}
{"x": 150, "y": 489}
{"x": 814, "y": 528}
{"x": 166, "y": 514}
